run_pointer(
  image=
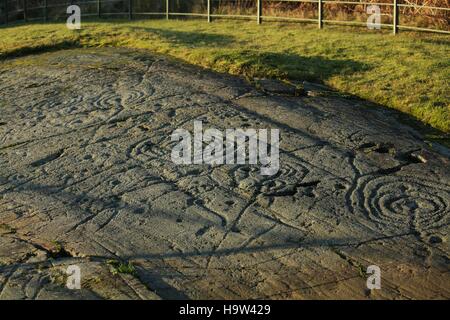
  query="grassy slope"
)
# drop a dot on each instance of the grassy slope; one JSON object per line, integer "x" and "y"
{"x": 408, "y": 72}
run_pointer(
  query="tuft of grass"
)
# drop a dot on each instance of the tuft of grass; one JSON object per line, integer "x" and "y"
{"x": 117, "y": 267}
{"x": 6, "y": 229}
{"x": 58, "y": 251}
{"x": 408, "y": 72}
{"x": 58, "y": 276}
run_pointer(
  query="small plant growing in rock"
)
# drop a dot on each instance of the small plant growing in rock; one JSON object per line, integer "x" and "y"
{"x": 58, "y": 276}
{"x": 117, "y": 267}
{"x": 5, "y": 229}
{"x": 58, "y": 251}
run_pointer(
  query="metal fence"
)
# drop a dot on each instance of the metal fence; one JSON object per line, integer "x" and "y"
{"x": 14, "y": 11}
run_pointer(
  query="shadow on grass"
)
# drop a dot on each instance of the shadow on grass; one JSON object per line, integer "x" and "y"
{"x": 287, "y": 65}
{"x": 442, "y": 42}
{"x": 190, "y": 39}
{"x": 24, "y": 51}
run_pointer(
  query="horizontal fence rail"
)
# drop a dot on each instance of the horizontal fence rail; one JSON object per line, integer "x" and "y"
{"x": 16, "y": 11}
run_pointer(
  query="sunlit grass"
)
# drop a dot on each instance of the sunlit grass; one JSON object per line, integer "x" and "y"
{"x": 408, "y": 72}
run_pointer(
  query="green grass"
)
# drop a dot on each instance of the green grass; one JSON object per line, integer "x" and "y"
{"x": 117, "y": 267}
{"x": 408, "y": 72}
{"x": 4, "y": 229}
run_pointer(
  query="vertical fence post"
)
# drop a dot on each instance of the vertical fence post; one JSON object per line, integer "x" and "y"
{"x": 45, "y": 11}
{"x": 99, "y": 7}
{"x": 25, "y": 9}
{"x": 319, "y": 14}
{"x": 208, "y": 8}
{"x": 395, "y": 17}
{"x": 258, "y": 11}
{"x": 167, "y": 9}
{"x": 6, "y": 11}
{"x": 130, "y": 9}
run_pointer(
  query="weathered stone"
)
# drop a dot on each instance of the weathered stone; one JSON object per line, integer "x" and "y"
{"x": 86, "y": 176}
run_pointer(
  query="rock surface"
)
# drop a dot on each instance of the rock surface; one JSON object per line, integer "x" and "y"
{"x": 86, "y": 177}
